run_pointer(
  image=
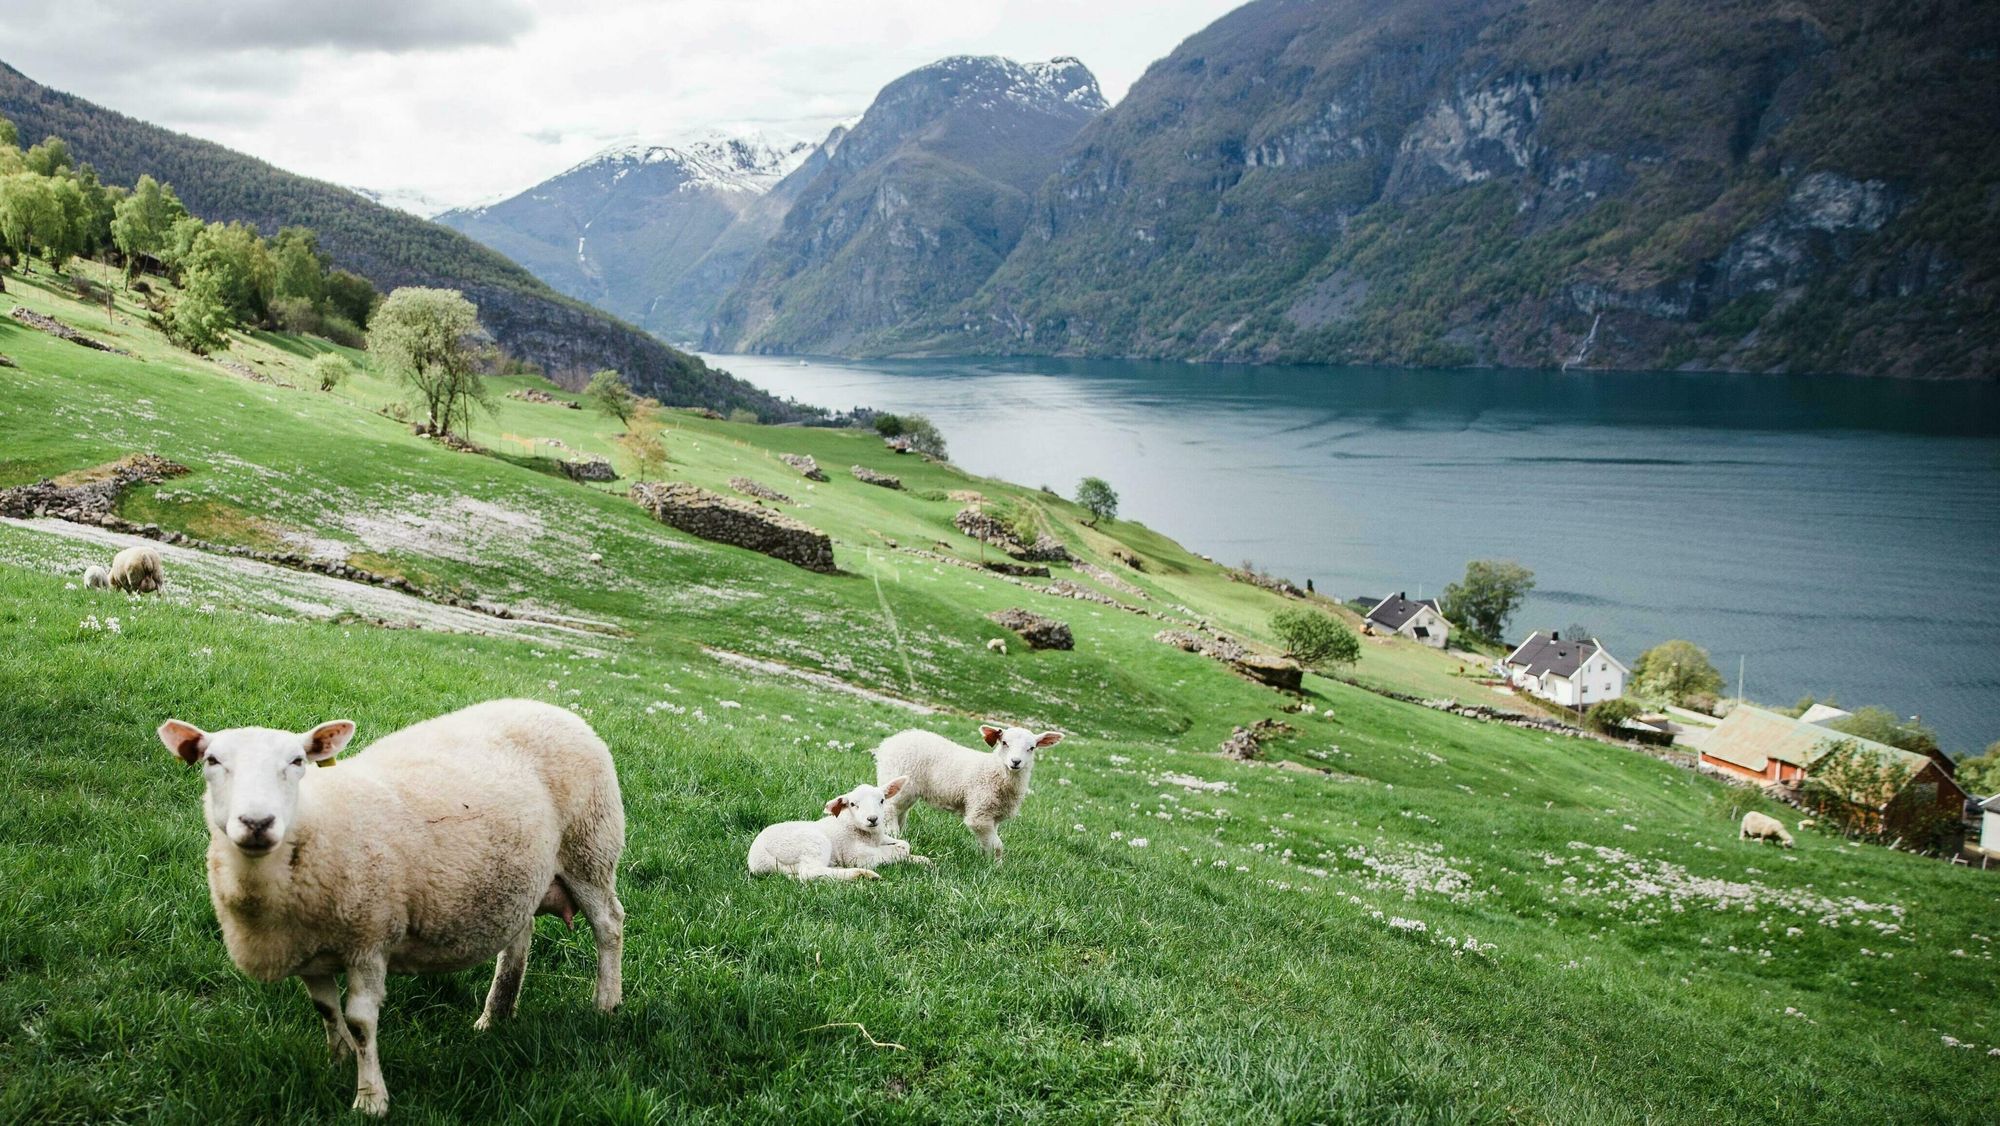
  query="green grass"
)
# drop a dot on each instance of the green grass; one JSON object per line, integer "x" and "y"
{"x": 1243, "y": 965}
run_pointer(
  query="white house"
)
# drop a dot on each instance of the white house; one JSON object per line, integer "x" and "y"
{"x": 1575, "y": 674}
{"x": 1989, "y": 826}
{"x": 1420, "y": 621}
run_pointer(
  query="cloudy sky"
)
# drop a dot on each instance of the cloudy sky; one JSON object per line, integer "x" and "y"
{"x": 463, "y": 100}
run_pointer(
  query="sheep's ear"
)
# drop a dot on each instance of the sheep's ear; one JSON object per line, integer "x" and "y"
{"x": 184, "y": 739}
{"x": 895, "y": 785}
{"x": 990, "y": 733}
{"x": 1049, "y": 739}
{"x": 834, "y": 807}
{"x": 327, "y": 740}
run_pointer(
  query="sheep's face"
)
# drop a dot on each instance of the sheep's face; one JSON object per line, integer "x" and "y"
{"x": 864, "y": 808}
{"x": 253, "y": 775}
{"x": 1015, "y": 747}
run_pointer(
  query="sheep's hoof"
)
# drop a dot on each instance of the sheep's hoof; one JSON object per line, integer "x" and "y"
{"x": 484, "y": 1022}
{"x": 372, "y": 1102}
{"x": 870, "y": 874}
{"x": 915, "y": 859}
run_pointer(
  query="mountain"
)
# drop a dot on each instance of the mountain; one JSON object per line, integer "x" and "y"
{"x": 914, "y": 208}
{"x": 623, "y": 229}
{"x": 408, "y": 201}
{"x": 528, "y": 319}
{"x": 1791, "y": 185}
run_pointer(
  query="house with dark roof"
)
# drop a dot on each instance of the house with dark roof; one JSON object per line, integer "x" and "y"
{"x": 1420, "y": 620}
{"x": 1767, "y": 748}
{"x": 1574, "y": 673}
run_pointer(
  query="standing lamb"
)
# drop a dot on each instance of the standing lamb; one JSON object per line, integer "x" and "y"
{"x": 429, "y": 852}
{"x": 847, "y": 844}
{"x": 1763, "y": 827}
{"x": 96, "y": 577}
{"x": 137, "y": 569}
{"x": 984, "y": 789}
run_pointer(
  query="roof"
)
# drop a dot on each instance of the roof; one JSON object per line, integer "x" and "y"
{"x": 1992, "y": 804}
{"x": 1751, "y": 737}
{"x": 1823, "y": 713}
{"x": 1544, "y": 654}
{"x": 1392, "y": 612}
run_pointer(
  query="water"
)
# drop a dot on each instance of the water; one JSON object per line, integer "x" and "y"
{"x": 1840, "y": 536}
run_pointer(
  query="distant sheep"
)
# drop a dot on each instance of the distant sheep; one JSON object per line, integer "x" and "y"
{"x": 96, "y": 577}
{"x": 998, "y": 645}
{"x": 1763, "y": 827}
{"x": 847, "y": 844}
{"x": 137, "y": 570}
{"x": 430, "y": 852}
{"x": 985, "y": 789}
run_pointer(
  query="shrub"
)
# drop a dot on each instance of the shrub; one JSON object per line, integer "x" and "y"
{"x": 889, "y": 425}
{"x": 342, "y": 331}
{"x": 1676, "y": 671}
{"x": 743, "y": 415}
{"x": 1314, "y": 639}
{"x": 923, "y": 437}
{"x": 328, "y": 370}
{"x": 1608, "y": 716}
{"x": 296, "y": 314}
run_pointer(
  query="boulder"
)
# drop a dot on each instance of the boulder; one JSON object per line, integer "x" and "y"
{"x": 1037, "y": 631}
{"x": 804, "y": 463}
{"x": 751, "y": 488}
{"x": 1279, "y": 672}
{"x": 722, "y": 519}
{"x": 868, "y": 476}
{"x": 589, "y": 469}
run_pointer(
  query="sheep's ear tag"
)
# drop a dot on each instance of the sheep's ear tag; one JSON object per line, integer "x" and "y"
{"x": 326, "y": 762}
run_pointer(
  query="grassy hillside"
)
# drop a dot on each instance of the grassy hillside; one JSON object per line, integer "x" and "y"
{"x": 1440, "y": 920}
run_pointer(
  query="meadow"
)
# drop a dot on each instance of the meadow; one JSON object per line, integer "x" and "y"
{"x": 1423, "y": 918}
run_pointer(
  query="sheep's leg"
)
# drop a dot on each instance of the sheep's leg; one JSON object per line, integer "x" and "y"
{"x": 988, "y": 836}
{"x": 897, "y": 852}
{"x": 367, "y": 983}
{"x": 325, "y": 993}
{"x": 821, "y": 872}
{"x": 508, "y": 970}
{"x": 896, "y": 812}
{"x": 607, "y": 921}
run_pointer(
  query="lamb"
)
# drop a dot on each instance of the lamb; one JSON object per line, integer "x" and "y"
{"x": 1763, "y": 827}
{"x": 847, "y": 844}
{"x": 96, "y": 577}
{"x": 430, "y": 852}
{"x": 136, "y": 569}
{"x": 998, "y": 645}
{"x": 983, "y": 789}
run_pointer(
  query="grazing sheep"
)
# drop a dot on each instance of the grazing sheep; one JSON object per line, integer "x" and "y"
{"x": 1763, "y": 827}
{"x": 847, "y": 844}
{"x": 96, "y": 577}
{"x": 429, "y": 852}
{"x": 136, "y": 569}
{"x": 998, "y": 645}
{"x": 984, "y": 789}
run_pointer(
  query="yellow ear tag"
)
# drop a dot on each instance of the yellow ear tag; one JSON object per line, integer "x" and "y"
{"x": 325, "y": 762}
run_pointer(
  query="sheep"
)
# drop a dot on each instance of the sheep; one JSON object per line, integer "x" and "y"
{"x": 137, "y": 570}
{"x": 998, "y": 645}
{"x": 847, "y": 844}
{"x": 1763, "y": 827}
{"x": 430, "y": 852}
{"x": 96, "y": 577}
{"x": 983, "y": 789}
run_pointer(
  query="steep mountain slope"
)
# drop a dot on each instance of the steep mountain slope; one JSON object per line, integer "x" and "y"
{"x": 1753, "y": 185}
{"x": 623, "y": 229}
{"x": 389, "y": 247}
{"x": 916, "y": 206}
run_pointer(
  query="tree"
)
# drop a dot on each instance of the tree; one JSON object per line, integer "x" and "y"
{"x": 1314, "y": 639}
{"x": 1883, "y": 726}
{"x": 30, "y": 213}
{"x": 200, "y": 319}
{"x": 328, "y": 369}
{"x": 889, "y": 425}
{"x": 608, "y": 392}
{"x": 1608, "y": 717}
{"x": 1981, "y": 774}
{"x": 351, "y": 297}
{"x": 641, "y": 441}
{"x": 241, "y": 264}
{"x": 1097, "y": 498}
{"x": 50, "y": 158}
{"x": 10, "y": 137}
{"x": 1675, "y": 671}
{"x": 922, "y": 436}
{"x": 431, "y": 340}
{"x": 141, "y": 222}
{"x": 1489, "y": 594}
{"x": 297, "y": 271}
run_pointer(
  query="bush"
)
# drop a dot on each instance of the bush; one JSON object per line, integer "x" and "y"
{"x": 1607, "y": 717}
{"x": 743, "y": 415}
{"x": 889, "y": 425}
{"x": 342, "y": 331}
{"x": 328, "y": 370}
{"x": 923, "y": 437}
{"x": 1314, "y": 639}
{"x": 1676, "y": 671}
{"x": 296, "y": 314}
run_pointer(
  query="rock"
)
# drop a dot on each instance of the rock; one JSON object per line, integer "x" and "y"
{"x": 976, "y": 523}
{"x": 1018, "y": 570}
{"x": 1120, "y": 555}
{"x": 868, "y": 476}
{"x": 713, "y": 516}
{"x": 56, "y": 328}
{"x": 1037, "y": 631}
{"x": 535, "y": 395}
{"x": 1063, "y": 588}
{"x": 589, "y": 469}
{"x": 6, "y": 361}
{"x": 751, "y": 488}
{"x": 804, "y": 463}
{"x": 1046, "y": 549}
{"x": 1278, "y": 672}
{"x": 91, "y": 501}
{"x": 1247, "y": 743}
{"x": 1219, "y": 647}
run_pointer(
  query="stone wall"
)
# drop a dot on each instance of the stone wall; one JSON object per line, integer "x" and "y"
{"x": 713, "y": 516}
{"x": 589, "y": 469}
{"x": 92, "y": 500}
{"x": 751, "y": 488}
{"x": 1037, "y": 631}
{"x": 805, "y": 464}
{"x": 55, "y": 327}
{"x": 868, "y": 476}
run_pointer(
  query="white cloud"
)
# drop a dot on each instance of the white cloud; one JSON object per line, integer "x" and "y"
{"x": 463, "y": 99}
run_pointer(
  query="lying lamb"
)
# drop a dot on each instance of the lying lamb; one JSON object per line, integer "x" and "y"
{"x": 1763, "y": 827}
{"x": 430, "y": 852}
{"x": 997, "y": 645}
{"x": 136, "y": 569}
{"x": 96, "y": 577}
{"x": 984, "y": 789}
{"x": 846, "y": 844}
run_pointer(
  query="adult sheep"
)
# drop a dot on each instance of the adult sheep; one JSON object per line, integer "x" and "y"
{"x": 983, "y": 789}
{"x": 1762, "y": 827}
{"x": 431, "y": 851}
{"x": 137, "y": 569}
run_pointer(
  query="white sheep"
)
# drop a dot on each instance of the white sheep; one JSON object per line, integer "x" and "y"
{"x": 985, "y": 789}
{"x": 96, "y": 577}
{"x": 1762, "y": 827}
{"x": 847, "y": 844}
{"x": 998, "y": 645}
{"x": 429, "y": 852}
{"x": 136, "y": 569}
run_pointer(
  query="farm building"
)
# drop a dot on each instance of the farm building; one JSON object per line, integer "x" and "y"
{"x": 1762, "y": 746}
{"x": 1575, "y": 674}
{"x": 1989, "y": 826}
{"x": 1420, "y": 620}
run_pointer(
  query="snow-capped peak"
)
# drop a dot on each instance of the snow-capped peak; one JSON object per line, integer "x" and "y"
{"x": 709, "y": 158}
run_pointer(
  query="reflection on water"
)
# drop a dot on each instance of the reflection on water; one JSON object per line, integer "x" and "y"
{"x": 1842, "y": 535}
